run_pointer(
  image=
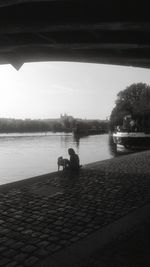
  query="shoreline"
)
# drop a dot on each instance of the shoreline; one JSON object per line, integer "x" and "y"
{"x": 89, "y": 166}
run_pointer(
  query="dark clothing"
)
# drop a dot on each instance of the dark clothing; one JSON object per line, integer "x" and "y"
{"x": 74, "y": 162}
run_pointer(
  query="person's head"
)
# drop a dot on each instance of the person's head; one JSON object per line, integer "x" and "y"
{"x": 71, "y": 151}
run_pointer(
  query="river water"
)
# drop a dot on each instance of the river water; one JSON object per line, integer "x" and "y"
{"x": 27, "y": 155}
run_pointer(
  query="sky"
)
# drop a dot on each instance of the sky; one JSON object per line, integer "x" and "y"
{"x": 47, "y": 89}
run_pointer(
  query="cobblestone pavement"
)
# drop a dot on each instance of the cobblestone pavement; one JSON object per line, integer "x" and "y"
{"x": 131, "y": 249}
{"x": 44, "y": 215}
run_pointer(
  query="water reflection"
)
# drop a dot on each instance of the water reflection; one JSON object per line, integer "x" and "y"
{"x": 26, "y": 156}
{"x": 112, "y": 146}
{"x": 76, "y": 139}
{"x": 65, "y": 140}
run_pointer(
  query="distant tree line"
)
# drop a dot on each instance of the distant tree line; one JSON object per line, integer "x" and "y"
{"x": 45, "y": 125}
{"x": 95, "y": 125}
{"x": 28, "y": 125}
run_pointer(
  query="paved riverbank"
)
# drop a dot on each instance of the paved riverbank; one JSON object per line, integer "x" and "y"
{"x": 56, "y": 219}
{"x": 129, "y": 249}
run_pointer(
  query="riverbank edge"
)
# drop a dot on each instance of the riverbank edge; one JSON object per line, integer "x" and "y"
{"x": 93, "y": 166}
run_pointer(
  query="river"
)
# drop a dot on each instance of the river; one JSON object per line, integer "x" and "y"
{"x": 27, "y": 155}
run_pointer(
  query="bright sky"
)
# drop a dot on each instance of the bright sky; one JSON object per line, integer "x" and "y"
{"x": 47, "y": 89}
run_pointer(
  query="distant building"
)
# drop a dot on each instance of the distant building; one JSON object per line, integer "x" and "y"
{"x": 66, "y": 120}
{"x": 66, "y": 117}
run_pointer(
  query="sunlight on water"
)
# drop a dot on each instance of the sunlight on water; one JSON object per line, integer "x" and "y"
{"x": 27, "y": 155}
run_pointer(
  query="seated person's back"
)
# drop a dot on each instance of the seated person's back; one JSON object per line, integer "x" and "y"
{"x": 74, "y": 160}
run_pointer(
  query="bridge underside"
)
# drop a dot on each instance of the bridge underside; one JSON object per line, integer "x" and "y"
{"x": 110, "y": 31}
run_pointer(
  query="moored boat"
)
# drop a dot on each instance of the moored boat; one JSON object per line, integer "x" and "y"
{"x": 132, "y": 139}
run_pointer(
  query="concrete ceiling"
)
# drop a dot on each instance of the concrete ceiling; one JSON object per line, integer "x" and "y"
{"x": 104, "y": 31}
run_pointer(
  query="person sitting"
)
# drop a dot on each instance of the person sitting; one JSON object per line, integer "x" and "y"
{"x": 74, "y": 162}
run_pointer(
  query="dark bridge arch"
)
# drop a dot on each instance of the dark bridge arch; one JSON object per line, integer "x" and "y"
{"x": 107, "y": 31}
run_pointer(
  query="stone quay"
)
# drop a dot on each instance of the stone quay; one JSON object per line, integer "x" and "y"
{"x": 59, "y": 218}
